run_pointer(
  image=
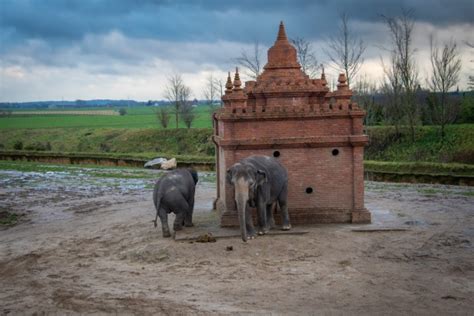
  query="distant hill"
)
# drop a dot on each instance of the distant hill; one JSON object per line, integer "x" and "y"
{"x": 78, "y": 104}
{"x": 89, "y": 104}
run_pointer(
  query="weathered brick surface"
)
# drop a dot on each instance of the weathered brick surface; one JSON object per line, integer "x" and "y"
{"x": 317, "y": 133}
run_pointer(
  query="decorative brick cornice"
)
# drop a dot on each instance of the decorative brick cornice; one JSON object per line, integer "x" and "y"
{"x": 285, "y": 113}
{"x": 291, "y": 142}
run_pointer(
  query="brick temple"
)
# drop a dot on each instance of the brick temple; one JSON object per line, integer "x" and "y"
{"x": 317, "y": 134}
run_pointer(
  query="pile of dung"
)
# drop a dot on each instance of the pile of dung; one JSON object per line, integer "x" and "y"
{"x": 206, "y": 238}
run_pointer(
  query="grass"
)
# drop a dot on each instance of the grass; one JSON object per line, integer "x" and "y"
{"x": 138, "y": 134}
{"x": 146, "y": 142}
{"x": 136, "y": 117}
{"x": 457, "y": 146}
{"x": 420, "y": 168}
{"x": 8, "y": 219}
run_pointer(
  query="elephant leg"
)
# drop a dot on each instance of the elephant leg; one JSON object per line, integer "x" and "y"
{"x": 270, "y": 220}
{"x": 164, "y": 222}
{"x": 251, "y": 233}
{"x": 178, "y": 221}
{"x": 188, "y": 217}
{"x": 283, "y": 203}
{"x": 261, "y": 217}
{"x": 180, "y": 208}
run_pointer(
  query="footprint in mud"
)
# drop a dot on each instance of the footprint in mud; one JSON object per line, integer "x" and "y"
{"x": 87, "y": 207}
{"x": 147, "y": 254}
{"x": 415, "y": 223}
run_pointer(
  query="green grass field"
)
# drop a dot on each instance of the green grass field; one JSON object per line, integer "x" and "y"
{"x": 136, "y": 117}
{"x": 180, "y": 141}
{"x": 457, "y": 146}
{"x": 139, "y": 132}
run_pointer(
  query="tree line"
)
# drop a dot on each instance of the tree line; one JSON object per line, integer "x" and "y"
{"x": 402, "y": 99}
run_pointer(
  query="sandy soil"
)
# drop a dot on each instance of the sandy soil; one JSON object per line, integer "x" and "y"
{"x": 93, "y": 249}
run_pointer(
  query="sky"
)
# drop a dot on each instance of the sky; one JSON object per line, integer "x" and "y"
{"x": 126, "y": 49}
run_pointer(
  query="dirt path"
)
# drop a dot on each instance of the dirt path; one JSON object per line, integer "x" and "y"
{"x": 93, "y": 249}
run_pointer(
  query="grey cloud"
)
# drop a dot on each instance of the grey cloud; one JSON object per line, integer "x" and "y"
{"x": 63, "y": 21}
{"x": 124, "y": 36}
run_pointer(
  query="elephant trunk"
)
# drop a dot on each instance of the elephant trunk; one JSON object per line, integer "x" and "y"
{"x": 241, "y": 209}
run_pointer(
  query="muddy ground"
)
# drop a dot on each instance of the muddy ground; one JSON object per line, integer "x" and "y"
{"x": 85, "y": 244}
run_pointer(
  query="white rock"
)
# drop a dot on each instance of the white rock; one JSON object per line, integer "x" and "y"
{"x": 155, "y": 163}
{"x": 170, "y": 164}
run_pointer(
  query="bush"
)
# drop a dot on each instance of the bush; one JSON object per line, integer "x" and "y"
{"x": 37, "y": 146}
{"x": 122, "y": 112}
{"x": 104, "y": 147}
{"x": 18, "y": 145}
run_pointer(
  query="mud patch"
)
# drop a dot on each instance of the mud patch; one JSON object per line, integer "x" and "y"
{"x": 89, "y": 248}
{"x": 146, "y": 254}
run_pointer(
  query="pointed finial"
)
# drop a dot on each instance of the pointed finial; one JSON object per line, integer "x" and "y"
{"x": 237, "y": 82}
{"x": 342, "y": 78}
{"x": 282, "y": 33}
{"x": 342, "y": 85}
{"x": 323, "y": 76}
{"x": 229, "y": 85}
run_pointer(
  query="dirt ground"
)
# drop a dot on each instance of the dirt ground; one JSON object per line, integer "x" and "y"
{"x": 92, "y": 248}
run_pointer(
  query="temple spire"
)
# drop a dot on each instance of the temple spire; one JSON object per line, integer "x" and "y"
{"x": 229, "y": 85}
{"x": 237, "y": 82}
{"x": 282, "y": 55}
{"x": 282, "y": 33}
{"x": 323, "y": 76}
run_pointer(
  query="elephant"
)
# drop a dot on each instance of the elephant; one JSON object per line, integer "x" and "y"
{"x": 174, "y": 192}
{"x": 259, "y": 181}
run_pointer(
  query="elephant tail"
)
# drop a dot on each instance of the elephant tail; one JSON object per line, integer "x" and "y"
{"x": 156, "y": 201}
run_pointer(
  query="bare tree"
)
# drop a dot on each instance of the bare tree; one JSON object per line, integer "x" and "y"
{"x": 364, "y": 95}
{"x": 178, "y": 94}
{"x": 220, "y": 84}
{"x": 173, "y": 94}
{"x": 186, "y": 108}
{"x": 345, "y": 50}
{"x": 306, "y": 56}
{"x": 393, "y": 112}
{"x": 251, "y": 62}
{"x": 470, "y": 78}
{"x": 404, "y": 66}
{"x": 446, "y": 67}
{"x": 163, "y": 116}
{"x": 211, "y": 92}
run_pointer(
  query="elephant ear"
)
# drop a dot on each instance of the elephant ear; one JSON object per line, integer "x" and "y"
{"x": 261, "y": 177}
{"x": 194, "y": 175}
{"x": 229, "y": 176}
{"x": 263, "y": 185}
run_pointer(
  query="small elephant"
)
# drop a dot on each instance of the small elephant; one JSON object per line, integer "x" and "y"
{"x": 259, "y": 181}
{"x": 174, "y": 192}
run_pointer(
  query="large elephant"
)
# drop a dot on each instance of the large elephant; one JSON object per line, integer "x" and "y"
{"x": 259, "y": 181}
{"x": 174, "y": 192}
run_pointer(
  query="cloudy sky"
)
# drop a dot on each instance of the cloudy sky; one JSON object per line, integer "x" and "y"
{"x": 126, "y": 49}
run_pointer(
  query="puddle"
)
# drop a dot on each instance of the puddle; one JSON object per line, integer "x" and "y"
{"x": 87, "y": 180}
{"x": 415, "y": 223}
{"x": 50, "y": 194}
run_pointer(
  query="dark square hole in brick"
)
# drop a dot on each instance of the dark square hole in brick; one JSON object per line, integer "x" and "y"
{"x": 276, "y": 154}
{"x": 335, "y": 152}
{"x": 309, "y": 190}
